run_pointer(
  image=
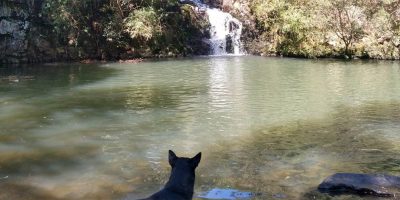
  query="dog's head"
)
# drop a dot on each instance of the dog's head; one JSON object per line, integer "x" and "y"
{"x": 183, "y": 163}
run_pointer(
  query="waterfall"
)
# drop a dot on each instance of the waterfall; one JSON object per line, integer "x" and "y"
{"x": 225, "y": 30}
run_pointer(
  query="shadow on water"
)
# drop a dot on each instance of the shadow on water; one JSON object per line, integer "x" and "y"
{"x": 19, "y": 167}
{"x": 294, "y": 158}
{"x": 27, "y": 96}
{"x": 42, "y": 79}
{"x": 29, "y": 92}
{"x": 80, "y": 105}
{"x": 43, "y": 161}
{"x": 23, "y": 192}
{"x": 42, "y": 103}
{"x": 58, "y": 134}
{"x": 131, "y": 97}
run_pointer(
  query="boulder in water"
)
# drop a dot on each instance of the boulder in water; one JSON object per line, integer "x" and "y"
{"x": 228, "y": 194}
{"x": 361, "y": 184}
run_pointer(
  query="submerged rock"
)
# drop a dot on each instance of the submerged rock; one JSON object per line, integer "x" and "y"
{"x": 361, "y": 184}
{"x": 232, "y": 194}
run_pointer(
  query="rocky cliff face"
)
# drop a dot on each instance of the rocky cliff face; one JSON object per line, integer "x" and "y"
{"x": 27, "y": 35}
{"x": 14, "y": 26}
{"x": 23, "y": 36}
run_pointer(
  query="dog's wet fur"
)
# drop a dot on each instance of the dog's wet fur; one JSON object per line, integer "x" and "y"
{"x": 181, "y": 182}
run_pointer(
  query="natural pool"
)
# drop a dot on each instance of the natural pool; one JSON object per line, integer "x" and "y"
{"x": 268, "y": 125}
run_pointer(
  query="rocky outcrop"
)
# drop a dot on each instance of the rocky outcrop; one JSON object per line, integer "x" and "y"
{"x": 28, "y": 35}
{"x": 14, "y": 26}
{"x": 23, "y": 36}
{"x": 361, "y": 184}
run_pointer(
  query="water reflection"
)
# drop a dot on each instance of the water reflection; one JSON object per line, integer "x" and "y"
{"x": 227, "y": 94}
{"x": 273, "y": 126}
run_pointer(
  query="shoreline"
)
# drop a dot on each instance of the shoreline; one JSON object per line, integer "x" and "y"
{"x": 155, "y": 58}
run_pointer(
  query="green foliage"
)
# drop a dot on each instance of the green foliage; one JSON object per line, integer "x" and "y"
{"x": 117, "y": 29}
{"x": 77, "y": 25}
{"x": 319, "y": 28}
{"x": 347, "y": 20}
{"x": 305, "y": 28}
{"x": 143, "y": 24}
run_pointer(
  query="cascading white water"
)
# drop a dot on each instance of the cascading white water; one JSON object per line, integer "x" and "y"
{"x": 225, "y": 30}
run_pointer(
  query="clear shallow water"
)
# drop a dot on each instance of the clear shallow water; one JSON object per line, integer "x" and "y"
{"x": 267, "y": 125}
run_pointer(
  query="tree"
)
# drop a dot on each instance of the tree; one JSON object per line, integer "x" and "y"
{"x": 347, "y": 20}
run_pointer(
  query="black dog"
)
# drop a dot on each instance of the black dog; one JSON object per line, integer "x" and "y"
{"x": 181, "y": 182}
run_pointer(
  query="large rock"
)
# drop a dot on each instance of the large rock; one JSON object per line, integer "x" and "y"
{"x": 10, "y": 27}
{"x": 23, "y": 35}
{"x": 361, "y": 184}
{"x": 7, "y": 11}
{"x": 13, "y": 29}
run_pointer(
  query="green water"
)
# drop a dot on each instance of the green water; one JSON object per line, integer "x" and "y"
{"x": 268, "y": 125}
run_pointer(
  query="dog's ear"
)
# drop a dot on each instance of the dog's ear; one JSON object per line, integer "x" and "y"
{"x": 172, "y": 158}
{"x": 196, "y": 160}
